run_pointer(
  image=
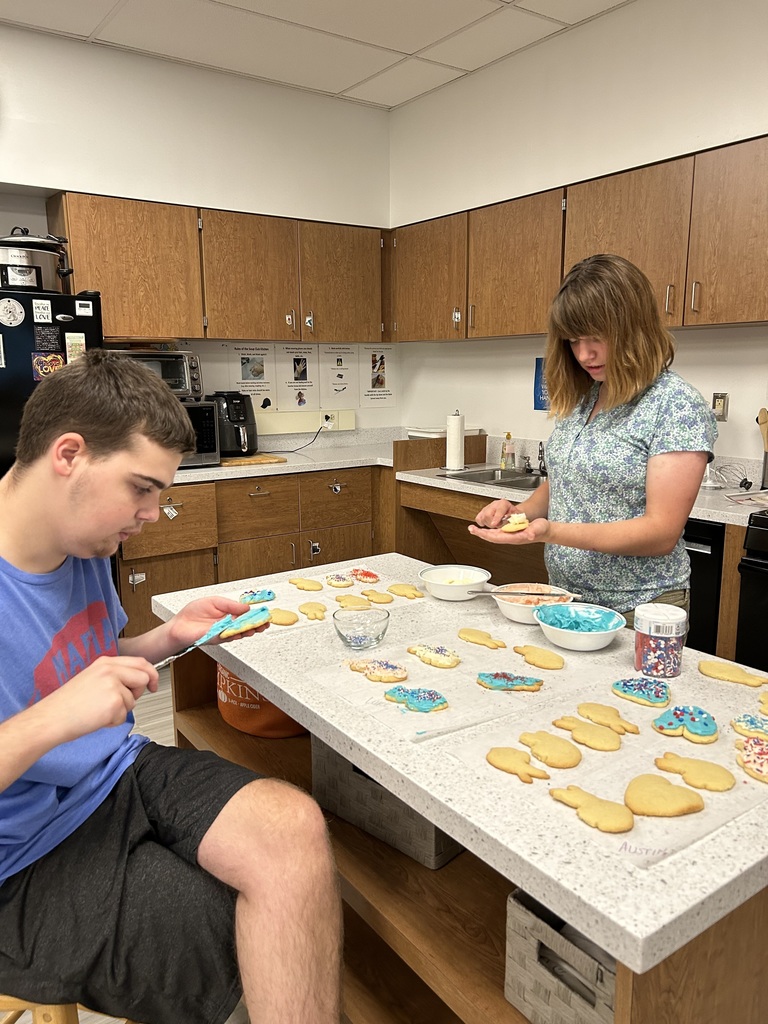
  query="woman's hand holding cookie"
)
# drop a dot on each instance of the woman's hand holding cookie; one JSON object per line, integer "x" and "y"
{"x": 492, "y": 516}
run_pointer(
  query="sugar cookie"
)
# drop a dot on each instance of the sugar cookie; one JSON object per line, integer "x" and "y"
{"x": 515, "y": 762}
{"x": 655, "y": 797}
{"x": 515, "y": 522}
{"x": 539, "y": 657}
{"x": 255, "y": 616}
{"x": 364, "y": 575}
{"x": 753, "y": 757}
{"x": 552, "y": 750}
{"x": 479, "y": 636}
{"x": 339, "y": 579}
{"x": 313, "y": 610}
{"x": 256, "y": 596}
{"x": 507, "y": 681}
{"x": 653, "y": 692}
{"x": 377, "y": 596}
{"x": 730, "y": 673}
{"x": 352, "y": 601}
{"x": 303, "y": 584}
{"x": 696, "y": 773}
{"x": 405, "y": 590}
{"x": 751, "y": 725}
{"x": 687, "y": 720}
{"x": 596, "y": 737}
{"x": 435, "y": 655}
{"x": 604, "y": 714}
{"x": 604, "y": 815}
{"x": 418, "y": 699}
{"x": 764, "y": 703}
{"x": 380, "y": 671}
{"x": 282, "y": 617}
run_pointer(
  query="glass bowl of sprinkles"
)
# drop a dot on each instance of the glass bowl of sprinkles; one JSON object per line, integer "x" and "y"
{"x": 360, "y": 628}
{"x": 579, "y": 627}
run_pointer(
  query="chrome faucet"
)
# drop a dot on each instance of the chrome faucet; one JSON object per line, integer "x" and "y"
{"x": 542, "y": 464}
{"x": 527, "y": 467}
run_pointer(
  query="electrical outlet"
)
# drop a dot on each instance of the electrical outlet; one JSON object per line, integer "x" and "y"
{"x": 330, "y": 421}
{"x": 720, "y": 406}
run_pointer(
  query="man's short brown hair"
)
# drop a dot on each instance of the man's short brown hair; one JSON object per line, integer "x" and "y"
{"x": 108, "y": 399}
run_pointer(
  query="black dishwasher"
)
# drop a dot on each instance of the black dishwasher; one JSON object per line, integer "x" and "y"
{"x": 704, "y": 542}
{"x": 751, "y": 644}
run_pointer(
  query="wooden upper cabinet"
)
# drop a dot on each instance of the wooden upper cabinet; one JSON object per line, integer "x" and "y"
{"x": 340, "y": 271}
{"x": 250, "y": 276}
{"x": 643, "y": 215}
{"x": 430, "y": 279}
{"x": 727, "y": 256}
{"x": 143, "y": 257}
{"x": 514, "y": 265}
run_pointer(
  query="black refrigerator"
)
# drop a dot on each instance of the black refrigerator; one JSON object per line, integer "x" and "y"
{"x": 39, "y": 333}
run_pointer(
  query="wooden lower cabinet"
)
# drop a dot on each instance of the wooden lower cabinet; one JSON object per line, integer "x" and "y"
{"x": 258, "y": 557}
{"x": 319, "y": 547}
{"x": 142, "y": 578}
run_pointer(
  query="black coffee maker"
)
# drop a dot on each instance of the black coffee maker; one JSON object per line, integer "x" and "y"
{"x": 237, "y": 424}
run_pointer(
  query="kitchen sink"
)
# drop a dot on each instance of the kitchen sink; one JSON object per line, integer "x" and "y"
{"x": 499, "y": 478}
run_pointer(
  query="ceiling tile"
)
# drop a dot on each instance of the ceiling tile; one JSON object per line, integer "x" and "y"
{"x": 569, "y": 11}
{"x": 223, "y": 37}
{"x": 76, "y": 17}
{"x": 404, "y": 81}
{"x": 494, "y": 37}
{"x": 405, "y": 25}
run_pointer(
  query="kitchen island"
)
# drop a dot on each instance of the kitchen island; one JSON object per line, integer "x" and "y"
{"x": 684, "y": 916}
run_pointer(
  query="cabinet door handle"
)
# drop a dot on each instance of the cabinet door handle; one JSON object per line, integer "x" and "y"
{"x": 135, "y": 578}
{"x": 667, "y": 297}
{"x": 336, "y": 487}
{"x": 314, "y": 549}
{"x": 290, "y": 319}
{"x": 471, "y": 316}
{"x": 173, "y": 504}
{"x": 309, "y": 321}
{"x": 694, "y": 287}
{"x": 293, "y": 553}
{"x": 258, "y": 493}
{"x": 456, "y": 317}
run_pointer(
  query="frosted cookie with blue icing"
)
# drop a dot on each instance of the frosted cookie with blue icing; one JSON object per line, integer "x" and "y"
{"x": 256, "y": 596}
{"x": 654, "y": 692}
{"x": 507, "y": 681}
{"x": 255, "y": 616}
{"x": 751, "y": 725}
{"x": 687, "y": 720}
{"x": 435, "y": 655}
{"x": 418, "y": 699}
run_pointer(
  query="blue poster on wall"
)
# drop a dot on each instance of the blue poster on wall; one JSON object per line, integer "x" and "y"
{"x": 540, "y": 395}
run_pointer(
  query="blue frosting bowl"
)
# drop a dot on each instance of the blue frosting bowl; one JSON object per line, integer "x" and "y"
{"x": 578, "y": 626}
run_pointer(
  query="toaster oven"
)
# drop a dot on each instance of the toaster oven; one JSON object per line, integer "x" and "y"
{"x": 180, "y": 370}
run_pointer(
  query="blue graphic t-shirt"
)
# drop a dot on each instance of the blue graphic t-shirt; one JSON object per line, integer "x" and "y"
{"x": 53, "y": 626}
{"x": 597, "y": 474}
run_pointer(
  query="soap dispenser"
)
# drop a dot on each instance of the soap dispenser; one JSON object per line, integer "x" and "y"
{"x": 508, "y": 452}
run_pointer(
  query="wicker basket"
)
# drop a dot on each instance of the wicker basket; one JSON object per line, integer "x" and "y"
{"x": 547, "y": 977}
{"x": 344, "y": 790}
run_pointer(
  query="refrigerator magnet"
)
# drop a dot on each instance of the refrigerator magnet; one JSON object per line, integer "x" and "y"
{"x": 74, "y": 345}
{"x": 46, "y": 363}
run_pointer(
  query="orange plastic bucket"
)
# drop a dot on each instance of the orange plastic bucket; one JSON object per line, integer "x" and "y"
{"x": 246, "y": 709}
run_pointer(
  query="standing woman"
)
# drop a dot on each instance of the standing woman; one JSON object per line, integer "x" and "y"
{"x": 628, "y": 452}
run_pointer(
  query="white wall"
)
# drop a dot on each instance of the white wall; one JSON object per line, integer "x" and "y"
{"x": 644, "y": 83}
{"x": 94, "y": 119}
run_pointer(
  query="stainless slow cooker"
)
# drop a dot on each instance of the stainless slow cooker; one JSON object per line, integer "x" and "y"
{"x": 33, "y": 262}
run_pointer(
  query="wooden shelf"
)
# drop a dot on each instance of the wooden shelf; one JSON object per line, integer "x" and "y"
{"x": 448, "y": 926}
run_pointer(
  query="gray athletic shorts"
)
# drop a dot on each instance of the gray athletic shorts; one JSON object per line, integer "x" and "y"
{"x": 119, "y": 916}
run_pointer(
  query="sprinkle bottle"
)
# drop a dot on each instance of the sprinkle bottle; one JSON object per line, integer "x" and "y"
{"x": 660, "y": 632}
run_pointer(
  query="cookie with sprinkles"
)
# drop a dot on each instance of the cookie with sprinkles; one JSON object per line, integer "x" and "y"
{"x": 506, "y": 681}
{"x": 687, "y": 720}
{"x": 418, "y": 699}
{"x": 378, "y": 670}
{"x": 435, "y": 655}
{"x": 364, "y": 575}
{"x": 751, "y": 725}
{"x": 753, "y": 757}
{"x": 339, "y": 579}
{"x": 653, "y": 692}
{"x": 256, "y": 596}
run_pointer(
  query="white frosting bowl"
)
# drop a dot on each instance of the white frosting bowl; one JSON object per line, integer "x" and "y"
{"x": 579, "y": 627}
{"x": 521, "y": 609}
{"x": 451, "y": 582}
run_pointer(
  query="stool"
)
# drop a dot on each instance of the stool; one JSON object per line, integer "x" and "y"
{"x": 12, "y": 1008}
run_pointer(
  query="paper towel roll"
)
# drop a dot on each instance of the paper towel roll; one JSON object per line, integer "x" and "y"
{"x": 454, "y": 442}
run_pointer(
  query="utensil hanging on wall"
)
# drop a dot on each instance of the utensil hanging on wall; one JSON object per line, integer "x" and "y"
{"x": 762, "y": 422}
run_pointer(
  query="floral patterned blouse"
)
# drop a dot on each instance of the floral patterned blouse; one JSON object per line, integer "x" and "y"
{"x": 597, "y": 475}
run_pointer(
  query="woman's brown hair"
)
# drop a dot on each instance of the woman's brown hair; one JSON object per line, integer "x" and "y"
{"x": 108, "y": 399}
{"x": 609, "y": 298}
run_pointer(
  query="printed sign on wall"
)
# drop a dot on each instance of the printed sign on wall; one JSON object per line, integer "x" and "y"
{"x": 339, "y": 377}
{"x": 254, "y": 373}
{"x": 378, "y": 376}
{"x": 297, "y": 377}
{"x": 540, "y": 393}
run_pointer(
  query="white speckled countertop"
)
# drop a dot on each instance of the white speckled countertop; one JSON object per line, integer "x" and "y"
{"x": 640, "y": 896}
{"x": 710, "y": 504}
{"x": 308, "y": 461}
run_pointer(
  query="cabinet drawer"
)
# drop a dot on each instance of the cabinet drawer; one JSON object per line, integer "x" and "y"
{"x": 193, "y": 526}
{"x": 257, "y": 507}
{"x": 243, "y": 559}
{"x": 335, "y": 498}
